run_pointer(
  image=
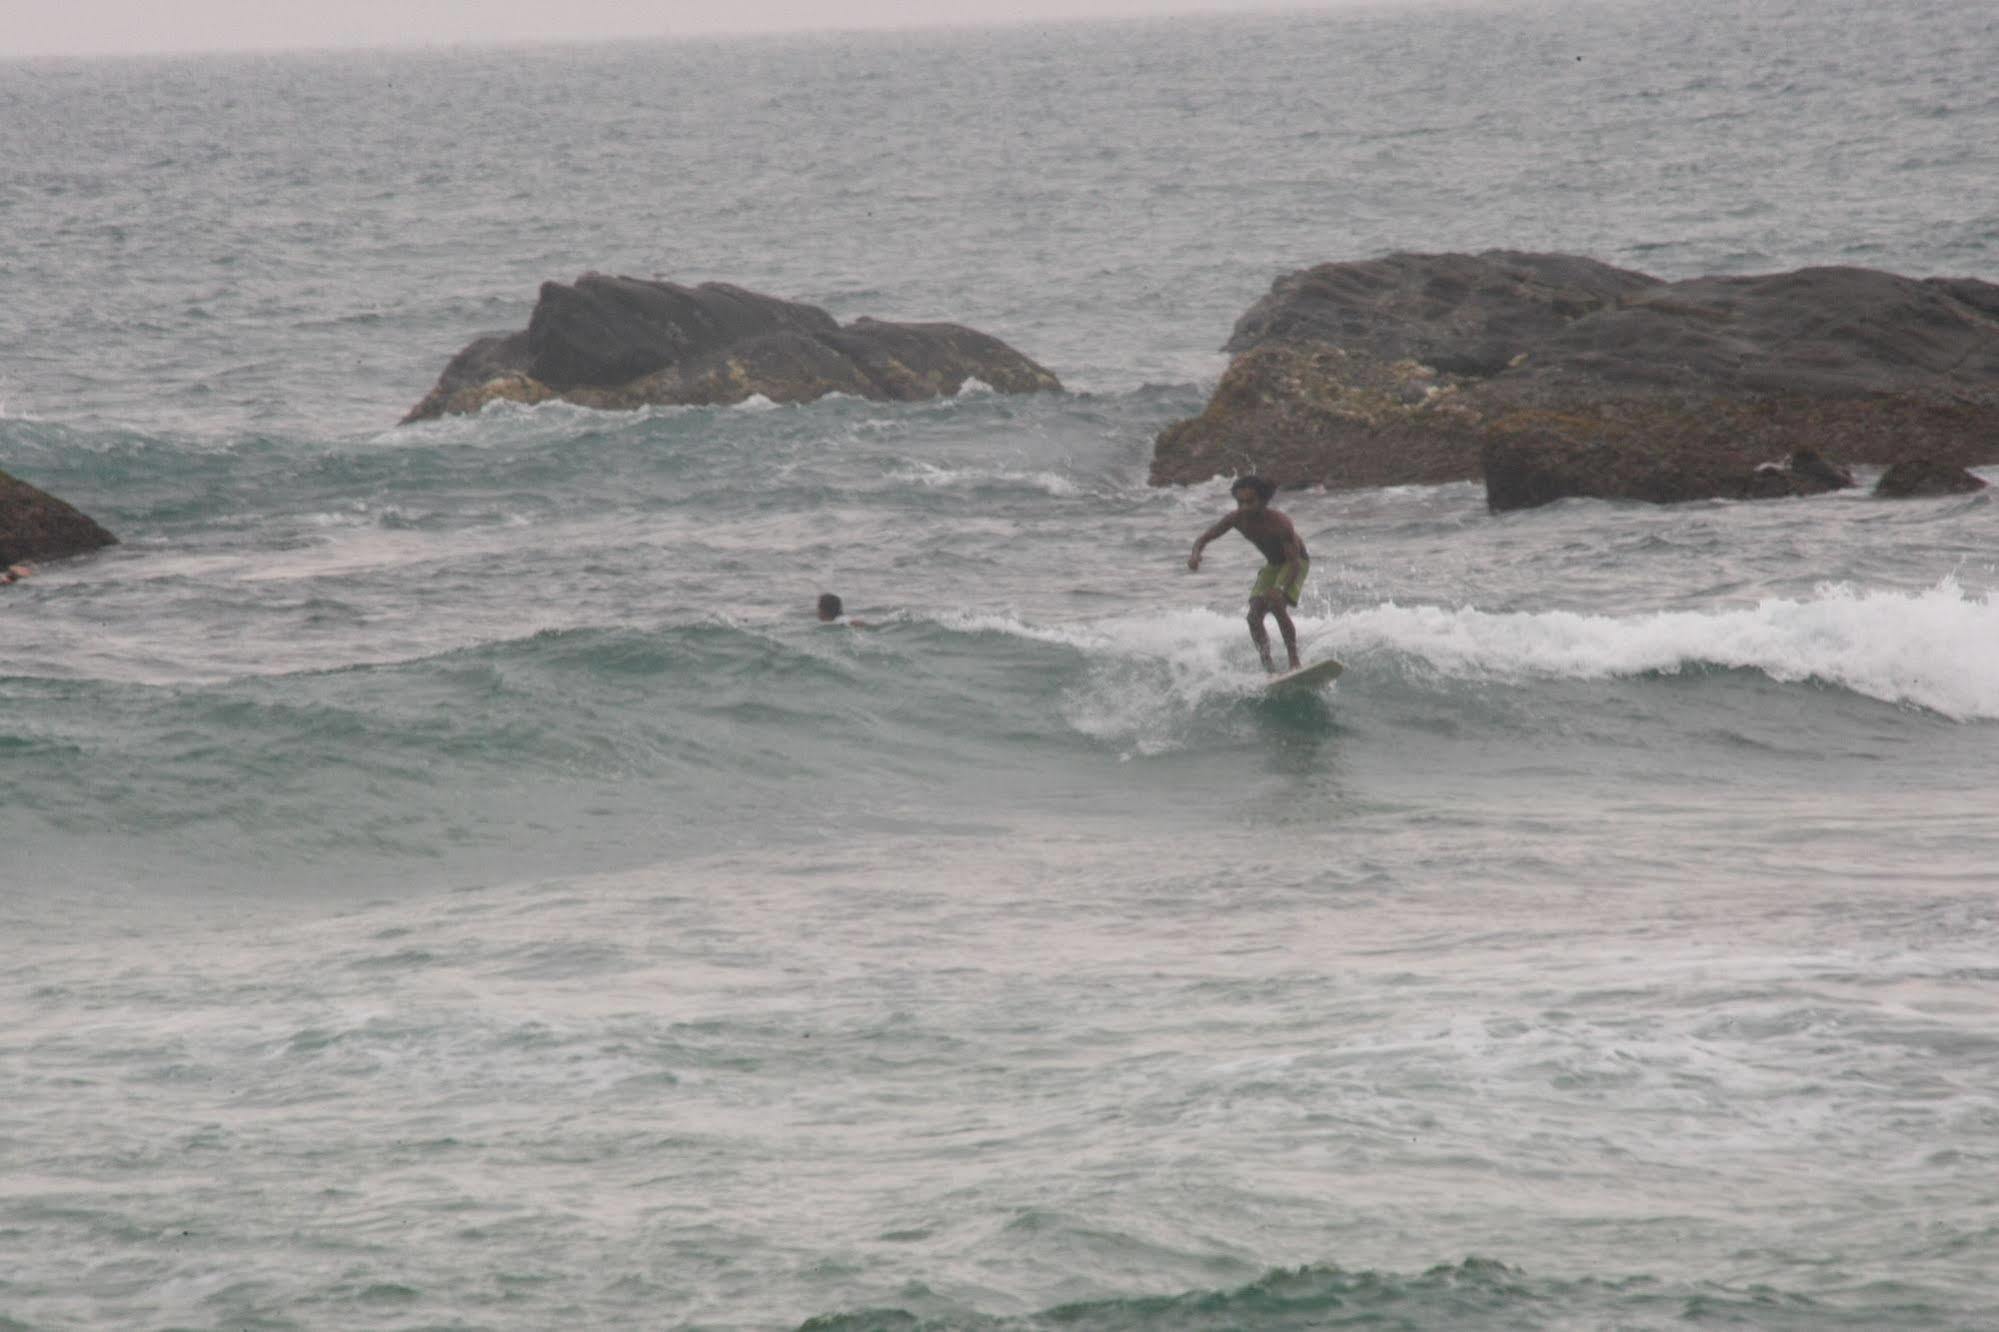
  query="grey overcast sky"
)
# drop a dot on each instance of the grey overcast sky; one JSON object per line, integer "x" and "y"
{"x": 94, "y": 27}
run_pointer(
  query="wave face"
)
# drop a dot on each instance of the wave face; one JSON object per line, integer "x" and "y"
{"x": 448, "y": 877}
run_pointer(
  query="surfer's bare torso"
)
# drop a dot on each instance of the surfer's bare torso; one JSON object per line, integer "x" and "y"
{"x": 1272, "y": 533}
{"x": 1267, "y": 529}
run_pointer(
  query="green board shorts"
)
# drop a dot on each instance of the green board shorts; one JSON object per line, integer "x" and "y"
{"x": 1266, "y": 580}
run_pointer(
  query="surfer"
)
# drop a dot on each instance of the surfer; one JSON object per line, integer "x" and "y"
{"x": 1282, "y": 576}
{"x": 15, "y": 573}
{"x": 830, "y": 612}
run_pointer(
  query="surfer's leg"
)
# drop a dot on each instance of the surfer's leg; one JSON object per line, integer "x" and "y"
{"x": 1282, "y": 599}
{"x": 1263, "y": 597}
{"x": 1285, "y": 627}
{"x": 1257, "y": 608}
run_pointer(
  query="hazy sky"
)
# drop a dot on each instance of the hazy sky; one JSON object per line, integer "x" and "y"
{"x": 83, "y": 27}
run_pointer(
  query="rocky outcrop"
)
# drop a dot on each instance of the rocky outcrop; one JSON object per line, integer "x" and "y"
{"x": 1552, "y": 375}
{"x": 1920, "y": 478}
{"x": 1463, "y": 314}
{"x": 1316, "y": 414}
{"x": 35, "y": 525}
{"x": 619, "y": 342}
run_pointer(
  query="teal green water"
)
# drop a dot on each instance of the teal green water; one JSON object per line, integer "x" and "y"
{"x": 451, "y": 880}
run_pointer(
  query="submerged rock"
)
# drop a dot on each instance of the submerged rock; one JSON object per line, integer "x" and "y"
{"x": 620, "y": 342}
{"x": 1554, "y": 376}
{"x": 35, "y": 525}
{"x": 1922, "y": 477}
{"x": 1525, "y": 470}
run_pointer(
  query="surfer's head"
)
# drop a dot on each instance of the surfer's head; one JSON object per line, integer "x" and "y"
{"x": 829, "y": 606}
{"x": 1252, "y": 485}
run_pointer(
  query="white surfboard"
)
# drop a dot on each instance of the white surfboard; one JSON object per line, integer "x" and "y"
{"x": 1305, "y": 677}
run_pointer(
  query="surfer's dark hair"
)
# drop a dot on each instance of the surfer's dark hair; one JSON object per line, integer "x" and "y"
{"x": 1263, "y": 489}
{"x": 829, "y": 604}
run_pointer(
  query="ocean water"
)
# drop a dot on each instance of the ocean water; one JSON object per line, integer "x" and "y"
{"x": 449, "y": 880}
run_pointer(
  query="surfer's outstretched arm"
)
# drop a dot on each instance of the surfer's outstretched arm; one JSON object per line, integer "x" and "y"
{"x": 1200, "y": 542}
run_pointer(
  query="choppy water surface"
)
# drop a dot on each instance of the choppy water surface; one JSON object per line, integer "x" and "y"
{"x": 451, "y": 881}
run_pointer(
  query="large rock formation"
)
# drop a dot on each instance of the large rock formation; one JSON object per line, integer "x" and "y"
{"x": 1556, "y": 376}
{"x": 35, "y": 525}
{"x": 618, "y": 342}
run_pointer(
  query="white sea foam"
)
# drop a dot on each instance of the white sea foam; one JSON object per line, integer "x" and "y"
{"x": 950, "y": 478}
{"x": 498, "y": 421}
{"x": 1145, "y": 674}
{"x": 1156, "y": 636}
{"x": 1937, "y": 649}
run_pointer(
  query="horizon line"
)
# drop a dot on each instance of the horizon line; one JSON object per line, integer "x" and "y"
{"x": 1195, "y": 10}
